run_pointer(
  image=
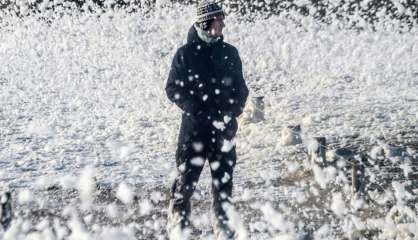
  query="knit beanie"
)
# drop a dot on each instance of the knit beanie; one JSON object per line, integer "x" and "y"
{"x": 207, "y": 10}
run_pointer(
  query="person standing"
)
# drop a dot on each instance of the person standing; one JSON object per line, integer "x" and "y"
{"x": 206, "y": 82}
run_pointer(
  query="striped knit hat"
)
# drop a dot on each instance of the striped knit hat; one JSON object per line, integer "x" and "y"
{"x": 208, "y": 10}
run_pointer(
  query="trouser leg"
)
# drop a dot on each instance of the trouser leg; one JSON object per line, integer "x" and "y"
{"x": 222, "y": 166}
{"x": 189, "y": 165}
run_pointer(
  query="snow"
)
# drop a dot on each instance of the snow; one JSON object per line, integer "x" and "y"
{"x": 112, "y": 211}
{"x": 323, "y": 176}
{"x": 78, "y": 231}
{"x": 25, "y": 196}
{"x": 289, "y": 137}
{"x": 87, "y": 186}
{"x": 145, "y": 207}
{"x": 219, "y": 125}
{"x": 114, "y": 234}
{"x": 235, "y": 222}
{"x": 125, "y": 194}
{"x": 338, "y": 204}
{"x": 276, "y": 219}
{"x": 197, "y": 161}
{"x": 83, "y": 103}
{"x": 227, "y": 145}
{"x": 215, "y": 165}
{"x": 198, "y": 146}
{"x": 178, "y": 234}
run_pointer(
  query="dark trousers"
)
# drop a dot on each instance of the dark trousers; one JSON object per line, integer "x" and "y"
{"x": 195, "y": 146}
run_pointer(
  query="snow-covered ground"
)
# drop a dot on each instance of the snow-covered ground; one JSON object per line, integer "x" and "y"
{"x": 82, "y": 101}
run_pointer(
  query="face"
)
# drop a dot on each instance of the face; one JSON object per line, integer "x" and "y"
{"x": 215, "y": 29}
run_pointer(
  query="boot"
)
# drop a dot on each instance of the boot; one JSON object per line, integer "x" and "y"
{"x": 177, "y": 225}
{"x": 221, "y": 230}
{"x": 6, "y": 210}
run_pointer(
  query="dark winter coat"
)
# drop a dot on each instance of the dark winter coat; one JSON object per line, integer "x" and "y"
{"x": 207, "y": 83}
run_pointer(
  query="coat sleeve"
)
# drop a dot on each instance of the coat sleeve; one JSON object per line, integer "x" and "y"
{"x": 177, "y": 88}
{"x": 240, "y": 89}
